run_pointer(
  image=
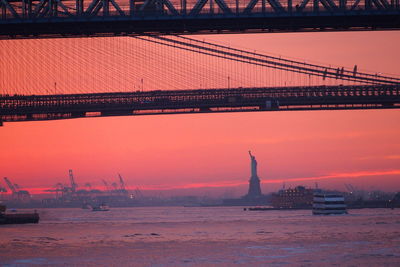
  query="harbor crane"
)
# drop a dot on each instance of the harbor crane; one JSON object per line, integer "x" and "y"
{"x": 121, "y": 182}
{"x": 115, "y": 186}
{"x": 72, "y": 180}
{"x": 10, "y": 185}
{"x": 59, "y": 189}
{"x": 106, "y": 185}
{"x": 16, "y": 192}
{"x": 2, "y": 190}
{"x": 122, "y": 189}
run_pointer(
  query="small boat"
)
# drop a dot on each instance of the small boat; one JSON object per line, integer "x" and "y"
{"x": 17, "y": 218}
{"x": 102, "y": 207}
{"x": 325, "y": 204}
{"x": 259, "y": 208}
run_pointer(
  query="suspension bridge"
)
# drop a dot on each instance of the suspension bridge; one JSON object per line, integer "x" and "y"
{"x": 97, "y": 77}
{"x": 69, "y": 18}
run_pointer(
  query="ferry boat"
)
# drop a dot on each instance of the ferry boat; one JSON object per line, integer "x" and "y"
{"x": 17, "y": 218}
{"x": 325, "y": 204}
{"x": 293, "y": 198}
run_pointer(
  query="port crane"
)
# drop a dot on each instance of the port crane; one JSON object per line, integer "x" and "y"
{"x": 2, "y": 190}
{"x": 10, "y": 185}
{"x": 58, "y": 188}
{"x": 106, "y": 185}
{"x": 72, "y": 181}
{"x": 122, "y": 190}
{"x": 115, "y": 186}
{"x": 15, "y": 189}
{"x": 121, "y": 182}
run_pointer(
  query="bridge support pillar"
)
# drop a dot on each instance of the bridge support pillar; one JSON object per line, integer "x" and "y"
{"x": 237, "y": 7}
{"x": 342, "y": 5}
{"x": 316, "y": 6}
{"x": 79, "y": 7}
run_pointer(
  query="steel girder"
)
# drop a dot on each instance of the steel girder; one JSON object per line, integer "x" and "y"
{"x": 58, "y": 18}
{"x": 52, "y": 107}
{"x": 28, "y": 9}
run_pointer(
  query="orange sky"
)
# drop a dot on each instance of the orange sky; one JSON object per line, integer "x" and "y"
{"x": 197, "y": 151}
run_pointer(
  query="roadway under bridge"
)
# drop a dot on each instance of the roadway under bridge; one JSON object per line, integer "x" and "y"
{"x": 75, "y": 18}
{"x": 54, "y": 107}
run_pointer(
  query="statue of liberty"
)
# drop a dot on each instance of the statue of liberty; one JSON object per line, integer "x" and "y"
{"x": 253, "y": 165}
{"x": 254, "y": 182}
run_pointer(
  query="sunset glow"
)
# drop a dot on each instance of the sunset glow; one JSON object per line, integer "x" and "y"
{"x": 185, "y": 152}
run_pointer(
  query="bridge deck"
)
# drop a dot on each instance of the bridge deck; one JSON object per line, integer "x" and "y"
{"x": 53, "y": 107}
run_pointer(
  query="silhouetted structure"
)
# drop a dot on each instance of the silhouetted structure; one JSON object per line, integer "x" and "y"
{"x": 254, "y": 182}
{"x": 254, "y": 195}
{"x": 293, "y": 198}
{"x": 35, "y": 19}
{"x": 395, "y": 202}
{"x": 54, "y": 107}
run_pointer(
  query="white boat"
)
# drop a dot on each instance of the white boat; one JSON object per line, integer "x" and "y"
{"x": 325, "y": 204}
{"x": 102, "y": 207}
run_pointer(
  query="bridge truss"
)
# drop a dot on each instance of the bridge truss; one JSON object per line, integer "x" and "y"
{"x": 66, "y": 18}
{"x": 55, "y": 107}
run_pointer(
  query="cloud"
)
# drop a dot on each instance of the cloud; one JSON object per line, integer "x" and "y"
{"x": 392, "y": 157}
{"x": 378, "y": 157}
{"x": 358, "y": 174}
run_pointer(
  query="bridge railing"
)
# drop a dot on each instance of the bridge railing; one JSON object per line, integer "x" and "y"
{"x": 10, "y": 104}
{"x": 36, "y": 10}
{"x": 56, "y": 107}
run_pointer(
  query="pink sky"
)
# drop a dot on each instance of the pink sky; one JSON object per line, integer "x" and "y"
{"x": 210, "y": 151}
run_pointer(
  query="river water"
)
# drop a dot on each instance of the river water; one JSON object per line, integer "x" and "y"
{"x": 203, "y": 236}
